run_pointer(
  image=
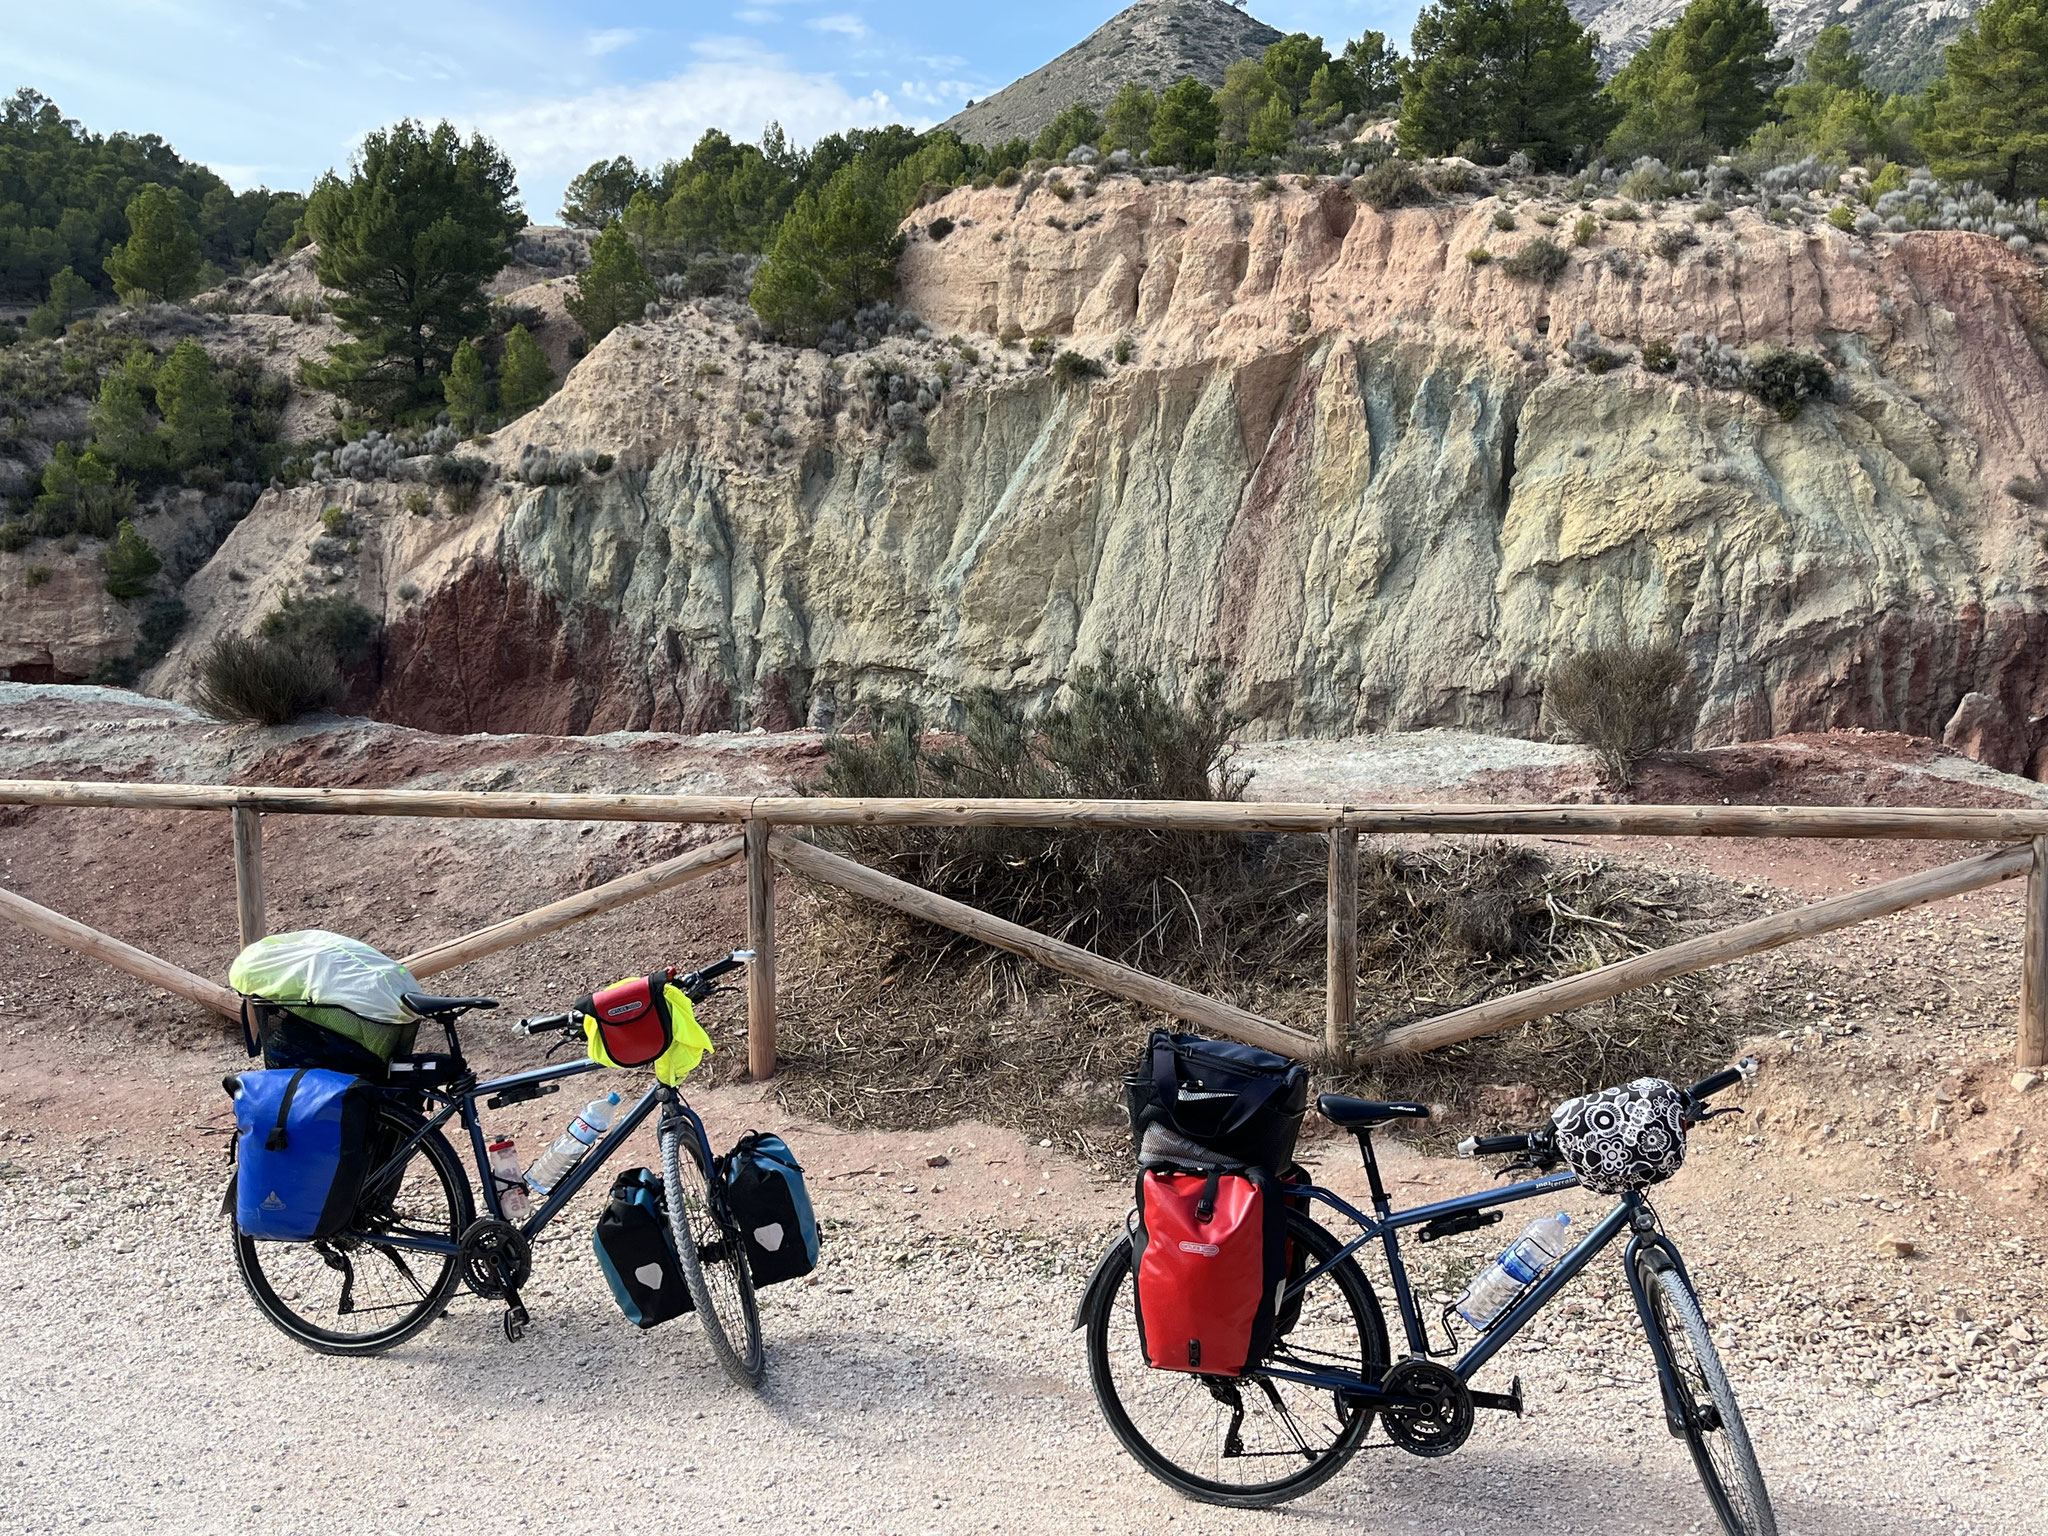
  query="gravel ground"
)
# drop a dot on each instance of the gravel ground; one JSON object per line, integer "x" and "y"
{"x": 926, "y": 1380}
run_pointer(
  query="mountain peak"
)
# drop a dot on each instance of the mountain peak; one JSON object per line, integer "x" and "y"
{"x": 1155, "y": 42}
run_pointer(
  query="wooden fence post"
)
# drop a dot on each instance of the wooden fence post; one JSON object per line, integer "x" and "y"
{"x": 249, "y": 873}
{"x": 761, "y": 940}
{"x": 1341, "y": 947}
{"x": 2033, "y": 1041}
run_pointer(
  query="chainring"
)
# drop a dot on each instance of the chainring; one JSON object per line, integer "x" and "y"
{"x": 495, "y": 1258}
{"x": 1443, "y": 1420}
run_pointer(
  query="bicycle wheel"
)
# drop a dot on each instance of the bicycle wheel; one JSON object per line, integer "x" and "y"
{"x": 713, "y": 1259}
{"x": 1255, "y": 1440}
{"x": 1713, "y": 1427}
{"x": 358, "y": 1293}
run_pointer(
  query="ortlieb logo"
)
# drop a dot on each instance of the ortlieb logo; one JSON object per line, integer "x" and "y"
{"x": 1206, "y": 1250}
{"x": 623, "y": 1011}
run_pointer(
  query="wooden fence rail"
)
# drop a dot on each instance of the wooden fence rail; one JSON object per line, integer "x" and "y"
{"x": 762, "y": 848}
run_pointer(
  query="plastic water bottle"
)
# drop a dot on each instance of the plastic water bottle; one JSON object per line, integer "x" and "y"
{"x": 512, "y": 1199}
{"x": 569, "y": 1147}
{"x": 1515, "y": 1271}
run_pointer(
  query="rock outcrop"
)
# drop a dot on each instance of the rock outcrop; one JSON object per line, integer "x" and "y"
{"x": 1901, "y": 39}
{"x": 1381, "y": 485}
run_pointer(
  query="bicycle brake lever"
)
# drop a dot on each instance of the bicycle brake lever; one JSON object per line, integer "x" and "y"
{"x": 1715, "y": 1114}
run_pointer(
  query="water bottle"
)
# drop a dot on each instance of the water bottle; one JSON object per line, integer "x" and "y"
{"x": 511, "y": 1182}
{"x": 1514, "y": 1271}
{"x": 568, "y": 1150}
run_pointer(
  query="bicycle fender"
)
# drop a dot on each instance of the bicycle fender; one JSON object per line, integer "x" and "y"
{"x": 1099, "y": 1281}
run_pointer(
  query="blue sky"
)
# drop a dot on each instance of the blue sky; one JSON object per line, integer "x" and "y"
{"x": 276, "y": 91}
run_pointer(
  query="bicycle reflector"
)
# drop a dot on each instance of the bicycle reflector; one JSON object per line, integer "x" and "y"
{"x": 633, "y": 1018}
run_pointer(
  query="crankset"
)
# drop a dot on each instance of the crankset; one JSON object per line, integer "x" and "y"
{"x": 1436, "y": 1418}
{"x": 496, "y": 1260}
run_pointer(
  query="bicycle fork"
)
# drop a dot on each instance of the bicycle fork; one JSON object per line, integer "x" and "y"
{"x": 1651, "y": 1250}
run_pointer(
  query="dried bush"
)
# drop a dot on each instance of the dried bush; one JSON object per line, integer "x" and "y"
{"x": 1626, "y": 702}
{"x": 1785, "y": 379}
{"x": 340, "y": 627}
{"x": 1394, "y": 183}
{"x": 1670, "y": 242}
{"x": 269, "y": 682}
{"x": 1071, "y": 368}
{"x": 461, "y": 477}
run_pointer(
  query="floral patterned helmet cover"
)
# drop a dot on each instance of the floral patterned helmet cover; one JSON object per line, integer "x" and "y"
{"x": 1623, "y": 1138}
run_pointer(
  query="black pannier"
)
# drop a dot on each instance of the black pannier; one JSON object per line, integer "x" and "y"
{"x": 1242, "y": 1103}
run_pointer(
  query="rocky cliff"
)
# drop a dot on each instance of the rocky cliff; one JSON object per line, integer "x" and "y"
{"x": 1382, "y": 485}
{"x": 1901, "y": 39}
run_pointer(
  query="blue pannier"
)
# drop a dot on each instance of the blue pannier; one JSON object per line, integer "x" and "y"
{"x": 301, "y": 1151}
{"x": 765, "y": 1195}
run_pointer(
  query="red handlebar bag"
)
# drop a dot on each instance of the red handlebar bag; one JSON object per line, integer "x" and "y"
{"x": 1210, "y": 1260}
{"x": 634, "y": 1021}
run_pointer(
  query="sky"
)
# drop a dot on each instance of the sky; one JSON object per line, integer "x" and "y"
{"x": 274, "y": 92}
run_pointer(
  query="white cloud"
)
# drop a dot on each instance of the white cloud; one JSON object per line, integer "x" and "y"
{"x": 844, "y": 25}
{"x": 552, "y": 140}
{"x": 755, "y": 16}
{"x": 610, "y": 40}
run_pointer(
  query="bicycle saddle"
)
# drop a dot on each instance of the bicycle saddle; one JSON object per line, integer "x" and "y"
{"x": 1367, "y": 1114}
{"x": 425, "y": 1003}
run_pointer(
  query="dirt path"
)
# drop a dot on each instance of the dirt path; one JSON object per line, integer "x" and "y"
{"x": 927, "y": 1380}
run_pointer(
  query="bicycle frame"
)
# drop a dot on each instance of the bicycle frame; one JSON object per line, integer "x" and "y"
{"x": 460, "y": 1099}
{"x": 1632, "y": 1211}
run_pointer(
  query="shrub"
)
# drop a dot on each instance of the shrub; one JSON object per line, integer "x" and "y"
{"x": 1503, "y": 219}
{"x": 916, "y": 452}
{"x": 1394, "y": 183}
{"x": 1040, "y": 345}
{"x": 1625, "y": 213}
{"x": 1708, "y": 212}
{"x": 1007, "y": 176}
{"x": 1659, "y": 356}
{"x": 1063, "y": 190}
{"x": 1541, "y": 259}
{"x": 939, "y": 228}
{"x": 1670, "y": 242}
{"x": 1123, "y": 349}
{"x": 337, "y": 522}
{"x": 131, "y": 563}
{"x": 264, "y": 681}
{"x": 419, "y": 504}
{"x": 1011, "y": 334}
{"x": 38, "y": 575}
{"x": 162, "y": 619}
{"x": 969, "y": 355}
{"x": 338, "y": 627}
{"x": 1843, "y": 217}
{"x": 408, "y": 591}
{"x": 461, "y": 476}
{"x": 1071, "y": 368}
{"x": 1584, "y": 228}
{"x": 1785, "y": 380}
{"x": 1479, "y": 256}
{"x": 14, "y": 536}
{"x": 1626, "y": 702}
{"x": 601, "y": 464}
{"x": 1586, "y": 349}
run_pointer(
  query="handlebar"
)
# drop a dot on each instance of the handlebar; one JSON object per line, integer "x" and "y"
{"x": 1542, "y": 1141}
{"x": 696, "y": 986}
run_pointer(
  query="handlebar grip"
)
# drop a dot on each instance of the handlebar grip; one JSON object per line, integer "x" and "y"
{"x": 541, "y": 1023}
{"x": 1707, "y": 1087}
{"x": 1490, "y": 1146}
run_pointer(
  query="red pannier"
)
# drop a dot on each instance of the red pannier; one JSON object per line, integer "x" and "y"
{"x": 1209, "y": 1258}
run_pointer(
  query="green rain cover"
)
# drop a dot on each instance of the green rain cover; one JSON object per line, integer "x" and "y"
{"x": 335, "y": 982}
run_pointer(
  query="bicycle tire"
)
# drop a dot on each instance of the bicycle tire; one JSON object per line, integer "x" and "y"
{"x": 1712, "y": 1422}
{"x": 718, "y": 1264}
{"x": 275, "y": 1273}
{"x": 1113, "y": 1345}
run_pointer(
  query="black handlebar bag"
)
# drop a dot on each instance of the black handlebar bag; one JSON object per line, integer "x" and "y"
{"x": 1241, "y": 1102}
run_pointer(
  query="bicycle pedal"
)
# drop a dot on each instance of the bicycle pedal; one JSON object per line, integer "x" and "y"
{"x": 516, "y": 1319}
{"x": 1509, "y": 1401}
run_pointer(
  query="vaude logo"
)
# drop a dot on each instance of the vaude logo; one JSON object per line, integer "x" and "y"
{"x": 271, "y": 1202}
{"x": 1206, "y": 1250}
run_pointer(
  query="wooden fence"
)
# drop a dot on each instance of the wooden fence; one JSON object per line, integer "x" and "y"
{"x": 761, "y": 844}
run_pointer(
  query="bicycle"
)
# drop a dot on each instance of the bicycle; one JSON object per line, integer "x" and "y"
{"x": 416, "y": 1235}
{"x": 1298, "y": 1415}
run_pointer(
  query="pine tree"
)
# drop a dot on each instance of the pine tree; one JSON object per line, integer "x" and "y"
{"x": 835, "y": 252}
{"x": 1271, "y": 129}
{"x": 198, "y": 424}
{"x": 1128, "y": 122}
{"x": 1377, "y": 69}
{"x": 613, "y": 289}
{"x": 1184, "y": 127}
{"x": 1490, "y": 77}
{"x": 131, "y": 562}
{"x": 1701, "y": 84}
{"x": 69, "y": 293}
{"x": 81, "y": 494}
{"x": 524, "y": 375}
{"x": 598, "y": 196}
{"x": 160, "y": 258}
{"x": 1291, "y": 64}
{"x": 124, "y": 431}
{"x": 409, "y": 239}
{"x": 1990, "y": 116}
{"x": 466, "y": 390}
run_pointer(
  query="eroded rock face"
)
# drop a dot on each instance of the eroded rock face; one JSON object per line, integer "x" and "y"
{"x": 1342, "y": 462}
